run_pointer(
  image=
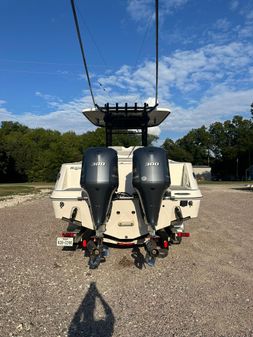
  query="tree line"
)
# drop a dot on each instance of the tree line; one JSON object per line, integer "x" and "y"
{"x": 36, "y": 154}
{"x": 226, "y": 147}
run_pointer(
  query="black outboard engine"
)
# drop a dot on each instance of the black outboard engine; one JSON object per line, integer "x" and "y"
{"x": 151, "y": 178}
{"x": 99, "y": 178}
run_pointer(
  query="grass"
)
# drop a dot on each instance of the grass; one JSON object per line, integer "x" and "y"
{"x": 8, "y": 190}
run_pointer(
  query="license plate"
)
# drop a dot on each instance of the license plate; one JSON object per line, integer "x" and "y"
{"x": 65, "y": 242}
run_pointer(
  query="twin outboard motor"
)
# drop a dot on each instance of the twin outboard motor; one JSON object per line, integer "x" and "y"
{"x": 150, "y": 179}
{"x": 99, "y": 178}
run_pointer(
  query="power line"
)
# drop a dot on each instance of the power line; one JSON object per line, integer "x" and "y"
{"x": 92, "y": 37}
{"x": 51, "y": 63}
{"x": 96, "y": 46}
{"x": 84, "y": 59}
{"x": 144, "y": 38}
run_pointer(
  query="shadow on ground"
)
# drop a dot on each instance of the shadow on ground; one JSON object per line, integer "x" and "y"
{"x": 84, "y": 323}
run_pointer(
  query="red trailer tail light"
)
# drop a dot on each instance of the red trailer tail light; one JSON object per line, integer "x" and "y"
{"x": 165, "y": 244}
{"x": 183, "y": 234}
{"x": 68, "y": 234}
{"x": 84, "y": 243}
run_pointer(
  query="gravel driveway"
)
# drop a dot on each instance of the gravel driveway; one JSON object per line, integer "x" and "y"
{"x": 203, "y": 288}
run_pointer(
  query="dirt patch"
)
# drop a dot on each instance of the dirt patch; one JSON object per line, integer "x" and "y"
{"x": 126, "y": 262}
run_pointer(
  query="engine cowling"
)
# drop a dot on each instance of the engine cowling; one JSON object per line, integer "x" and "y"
{"x": 151, "y": 178}
{"x": 99, "y": 178}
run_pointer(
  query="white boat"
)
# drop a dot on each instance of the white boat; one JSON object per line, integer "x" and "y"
{"x": 125, "y": 196}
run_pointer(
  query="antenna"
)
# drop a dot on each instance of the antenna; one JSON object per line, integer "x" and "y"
{"x": 82, "y": 50}
{"x": 84, "y": 59}
{"x": 157, "y": 39}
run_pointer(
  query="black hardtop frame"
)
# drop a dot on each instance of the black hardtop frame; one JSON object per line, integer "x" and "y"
{"x": 123, "y": 119}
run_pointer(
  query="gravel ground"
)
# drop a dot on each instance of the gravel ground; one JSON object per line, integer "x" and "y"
{"x": 203, "y": 288}
{"x": 14, "y": 200}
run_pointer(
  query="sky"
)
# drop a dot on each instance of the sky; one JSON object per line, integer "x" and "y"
{"x": 205, "y": 60}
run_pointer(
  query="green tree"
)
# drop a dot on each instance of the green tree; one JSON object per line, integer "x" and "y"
{"x": 176, "y": 152}
{"x": 197, "y": 143}
{"x": 232, "y": 144}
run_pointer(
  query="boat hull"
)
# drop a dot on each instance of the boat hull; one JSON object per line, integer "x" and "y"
{"x": 126, "y": 220}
